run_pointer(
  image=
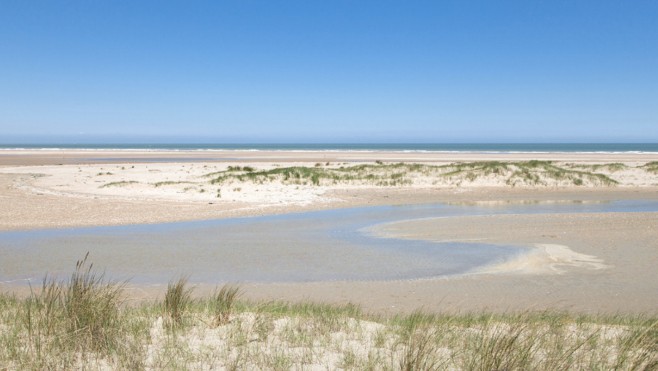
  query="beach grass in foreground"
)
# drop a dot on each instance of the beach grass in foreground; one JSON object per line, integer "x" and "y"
{"x": 83, "y": 322}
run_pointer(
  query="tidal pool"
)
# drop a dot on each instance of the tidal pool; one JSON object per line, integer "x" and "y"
{"x": 301, "y": 247}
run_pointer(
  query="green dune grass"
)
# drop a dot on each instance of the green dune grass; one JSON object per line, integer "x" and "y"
{"x": 532, "y": 173}
{"x": 84, "y": 323}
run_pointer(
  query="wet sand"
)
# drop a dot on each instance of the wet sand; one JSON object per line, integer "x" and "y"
{"x": 56, "y": 157}
{"x": 624, "y": 242}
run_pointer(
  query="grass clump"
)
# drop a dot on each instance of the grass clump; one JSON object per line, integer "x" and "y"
{"x": 651, "y": 167}
{"x": 504, "y": 346}
{"x": 169, "y": 182}
{"x": 119, "y": 184}
{"x": 223, "y": 302}
{"x": 68, "y": 322}
{"x": 419, "y": 339}
{"x": 247, "y": 169}
{"x": 92, "y": 306}
{"x": 177, "y": 300}
{"x": 421, "y": 352}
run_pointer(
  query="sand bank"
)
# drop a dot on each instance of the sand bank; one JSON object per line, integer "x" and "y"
{"x": 618, "y": 274}
{"x": 591, "y": 263}
{"x": 126, "y": 187}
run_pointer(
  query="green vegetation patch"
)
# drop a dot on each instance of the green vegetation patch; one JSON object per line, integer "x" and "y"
{"x": 533, "y": 173}
{"x": 611, "y": 167}
{"x": 230, "y": 169}
{"x": 119, "y": 184}
{"x": 382, "y": 175}
{"x": 83, "y": 323}
{"x": 651, "y": 166}
{"x": 170, "y": 182}
{"x": 241, "y": 168}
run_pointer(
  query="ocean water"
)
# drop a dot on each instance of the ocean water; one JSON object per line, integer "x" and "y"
{"x": 401, "y": 147}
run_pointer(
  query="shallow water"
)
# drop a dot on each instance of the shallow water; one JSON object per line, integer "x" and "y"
{"x": 312, "y": 246}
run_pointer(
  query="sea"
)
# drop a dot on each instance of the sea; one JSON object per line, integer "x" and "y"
{"x": 365, "y": 147}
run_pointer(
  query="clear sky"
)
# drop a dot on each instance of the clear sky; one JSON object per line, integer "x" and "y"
{"x": 329, "y": 71}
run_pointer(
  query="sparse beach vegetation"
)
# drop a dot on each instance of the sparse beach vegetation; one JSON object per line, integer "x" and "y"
{"x": 84, "y": 323}
{"x": 611, "y": 167}
{"x": 119, "y": 184}
{"x": 170, "y": 182}
{"x": 528, "y": 173}
{"x": 651, "y": 167}
{"x": 241, "y": 168}
{"x": 379, "y": 174}
{"x": 177, "y": 300}
{"x": 223, "y": 302}
{"x": 230, "y": 169}
{"x": 524, "y": 173}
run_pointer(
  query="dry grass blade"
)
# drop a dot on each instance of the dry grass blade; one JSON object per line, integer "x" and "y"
{"x": 222, "y": 303}
{"x": 503, "y": 346}
{"x": 639, "y": 349}
{"x": 421, "y": 352}
{"x": 177, "y": 299}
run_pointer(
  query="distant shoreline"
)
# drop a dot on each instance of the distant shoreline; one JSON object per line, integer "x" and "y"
{"x": 473, "y": 148}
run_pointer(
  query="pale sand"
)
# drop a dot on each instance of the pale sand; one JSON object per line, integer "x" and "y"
{"x": 55, "y": 157}
{"x": 618, "y": 274}
{"x": 591, "y": 263}
{"x": 37, "y": 194}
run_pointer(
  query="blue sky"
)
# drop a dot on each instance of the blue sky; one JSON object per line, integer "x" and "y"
{"x": 329, "y": 71}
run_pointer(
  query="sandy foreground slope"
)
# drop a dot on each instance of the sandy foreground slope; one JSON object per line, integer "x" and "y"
{"x": 582, "y": 262}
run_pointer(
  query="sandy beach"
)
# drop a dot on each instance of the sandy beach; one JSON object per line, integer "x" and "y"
{"x": 328, "y": 185}
{"x": 579, "y": 262}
